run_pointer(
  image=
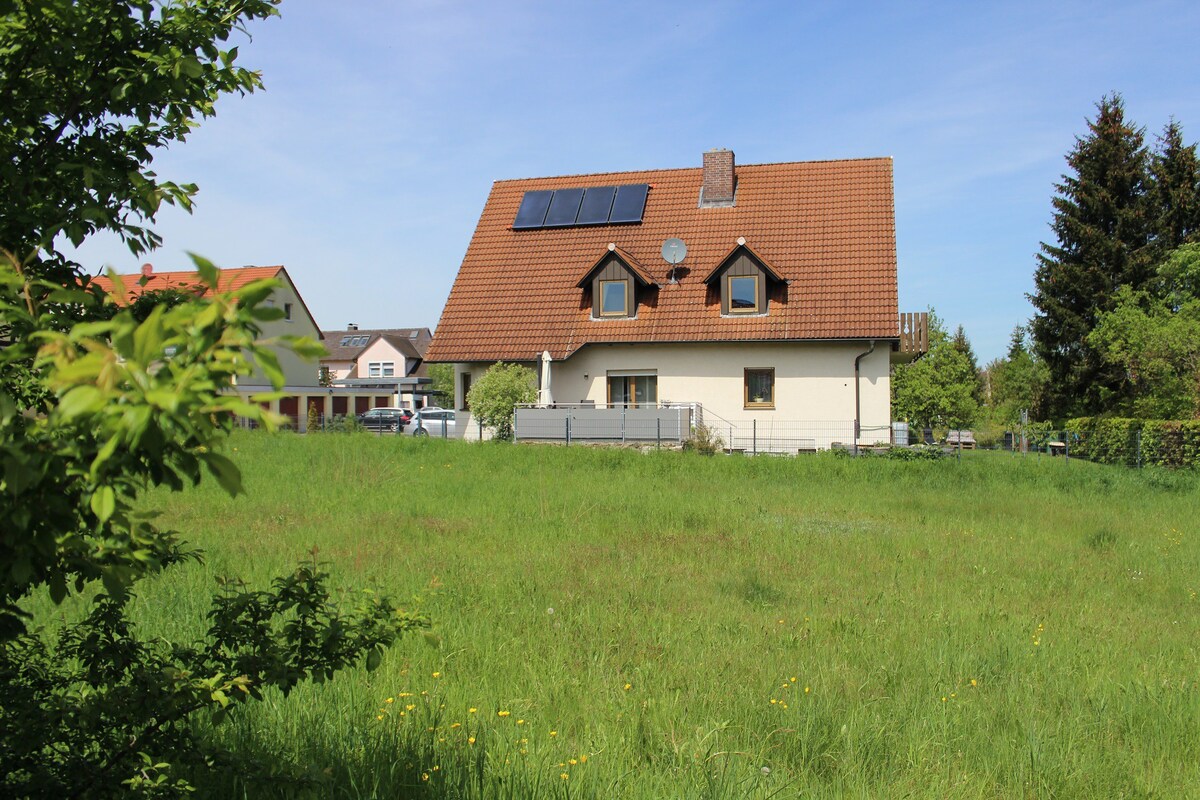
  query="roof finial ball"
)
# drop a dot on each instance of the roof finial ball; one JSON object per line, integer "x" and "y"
{"x": 612, "y": 246}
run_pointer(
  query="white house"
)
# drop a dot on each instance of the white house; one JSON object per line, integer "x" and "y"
{"x": 763, "y": 295}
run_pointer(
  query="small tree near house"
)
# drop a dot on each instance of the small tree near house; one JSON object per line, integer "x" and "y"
{"x": 494, "y": 397}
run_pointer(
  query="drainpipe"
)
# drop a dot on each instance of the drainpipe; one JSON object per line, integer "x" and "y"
{"x": 857, "y": 400}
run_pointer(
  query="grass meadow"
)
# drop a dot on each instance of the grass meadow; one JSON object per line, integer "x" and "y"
{"x": 666, "y": 625}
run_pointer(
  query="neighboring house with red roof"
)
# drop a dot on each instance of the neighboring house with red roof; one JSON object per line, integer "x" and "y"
{"x": 784, "y": 307}
{"x": 302, "y": 385}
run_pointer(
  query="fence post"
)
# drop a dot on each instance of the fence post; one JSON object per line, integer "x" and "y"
{"x": 658, "y": 433}
{"x": 1138, "y": 439}
{"x": 754, "y": 437}
{"x": 516, "y": 434}
{"x": 622, "y": 424}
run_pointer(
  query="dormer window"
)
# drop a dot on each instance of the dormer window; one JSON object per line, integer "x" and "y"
{"x": 743, "y": 280}
{"x": 742, "y": 291}
{"x": 614, "y": 298}
{"x": 615, "y": 283}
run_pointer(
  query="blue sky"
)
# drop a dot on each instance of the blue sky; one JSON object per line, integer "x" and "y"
{"x": 364, "y": 165}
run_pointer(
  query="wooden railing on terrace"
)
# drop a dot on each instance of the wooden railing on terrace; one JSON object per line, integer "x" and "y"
{"x": 914, "y": 333}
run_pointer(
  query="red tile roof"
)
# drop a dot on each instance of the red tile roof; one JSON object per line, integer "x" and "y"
{"x": 229, "y": 279}
{"x": 826, "y": 227}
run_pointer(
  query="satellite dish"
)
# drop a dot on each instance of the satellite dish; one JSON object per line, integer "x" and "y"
{"x": 674, "y": 251}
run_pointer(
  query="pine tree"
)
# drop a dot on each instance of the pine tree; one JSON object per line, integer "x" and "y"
{"x": 1102, "y": 230}
{"x": 962, "y": 344}
{"x": 1174, "y": 191}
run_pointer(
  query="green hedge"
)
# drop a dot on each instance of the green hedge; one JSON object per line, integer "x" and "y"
{"x": 1133, "y": 442}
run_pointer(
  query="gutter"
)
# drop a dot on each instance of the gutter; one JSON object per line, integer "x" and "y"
{"x": 857, "y": 397}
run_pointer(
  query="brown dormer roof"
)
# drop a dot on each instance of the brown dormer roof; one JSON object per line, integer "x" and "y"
{"x": 827, "y": 228}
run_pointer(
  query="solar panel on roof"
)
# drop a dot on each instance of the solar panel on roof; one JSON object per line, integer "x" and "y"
{"x": 630, "y": 203}
{"x": 533, "y": 209}
{"x": 564, "y": 208}
{"x": 597, "y": 203}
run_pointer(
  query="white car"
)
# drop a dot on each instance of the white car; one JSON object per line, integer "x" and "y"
{"x": 432, "y": 421}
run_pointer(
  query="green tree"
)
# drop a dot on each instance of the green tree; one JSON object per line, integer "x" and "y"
{"x": 1017, "y": 382}
{"x": 938, "y": 388}
{"x": 1102, "y": 242}
{"x": 442, "y": 377}
{"x": 1174, "y": 190}
{"x": 1154, "y": 338}
{"x": 963, "y": 345}
{"x": 99, "y": 404}
{"x": 494, "y": 397}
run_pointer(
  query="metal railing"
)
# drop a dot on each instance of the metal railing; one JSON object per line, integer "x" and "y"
{"x": 676, "y": 422}
{"x": 586, "y": 422}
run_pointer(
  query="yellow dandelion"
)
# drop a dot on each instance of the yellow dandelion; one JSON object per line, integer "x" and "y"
{"x": 583, "y": 759}
{"x": 379, "y": 717}
{"x": 973, "y": 682}
{"x": 773, "y": 701}
{"x": 572, "y": 761}
{"x": 455, "y": 725}
{"x": 437, "y": 674}
{"x": 436, "y": 767}
{"x": 554, "y": 733}
{"x": 470, "y": 740}
{"x": 472, "y": 710}
{"x": 503, "y": 713}
{"x": 783, "y": 704}
{"x": 424, "y": 776}
{"x": 564, "y": 776}
{"x": 793, "y": 679}
{"x": 390, "y": 700}
{"x": 628, "y": 686}
{"x": 409, "y": 707}
{"x": 520, "y": 722}
{"x": 943, "y": 698}
{"x": 807, "y": 689}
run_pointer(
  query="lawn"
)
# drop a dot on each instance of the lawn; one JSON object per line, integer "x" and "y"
{"x": 622, "y": 624}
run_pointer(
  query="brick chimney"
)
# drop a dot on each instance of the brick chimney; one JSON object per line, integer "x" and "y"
{"x": 352, "y": 327}
{"x": 719, "y": 181}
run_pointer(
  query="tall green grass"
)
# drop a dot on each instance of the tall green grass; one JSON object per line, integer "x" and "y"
{"x": 625, "y": 624}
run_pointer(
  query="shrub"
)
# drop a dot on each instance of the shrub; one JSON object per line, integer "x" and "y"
{"x": 704, "y": 441}
{"x": 1133, "y": 442}
{"x": 495, "y": 396}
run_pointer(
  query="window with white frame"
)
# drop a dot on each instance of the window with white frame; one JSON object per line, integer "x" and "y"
{"x": 381, "y": 369}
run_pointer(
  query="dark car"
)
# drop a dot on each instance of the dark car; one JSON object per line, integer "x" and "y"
{"x": 385, "y": 419}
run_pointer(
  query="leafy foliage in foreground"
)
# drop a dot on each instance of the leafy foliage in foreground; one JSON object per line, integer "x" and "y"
{"x": 99, "y": 404}
{"x": 100, "y": 711}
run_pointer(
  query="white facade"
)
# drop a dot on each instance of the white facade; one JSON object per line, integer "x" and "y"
{"x": 814, "y": 382}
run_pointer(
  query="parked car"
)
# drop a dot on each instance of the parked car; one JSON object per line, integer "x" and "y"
{"x": 433, "y": 421}
{"x": 385, "y": 419}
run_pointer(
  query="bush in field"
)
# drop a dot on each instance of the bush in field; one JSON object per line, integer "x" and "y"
{"x": 704, "y": 441}
{"x": 495, "y": 396}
